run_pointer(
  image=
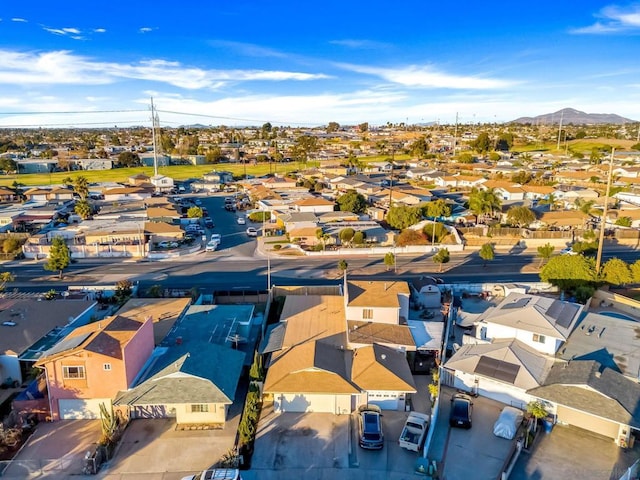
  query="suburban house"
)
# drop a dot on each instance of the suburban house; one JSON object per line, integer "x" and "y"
{"x": 585, "y": 394}
{"x": 314, "y": 205}
{"x": 124, "y": 194}
{"x": 563, "y": 219}
{"x": 28, "y": 326}
{"x": 162, "y": 183}
{"x": 195, "y": 370}
{"x": 93, "y": 362}
{"x": 312, "y": 368}
{"x": 542, "y": 323}
{"x": 503, "y": 370}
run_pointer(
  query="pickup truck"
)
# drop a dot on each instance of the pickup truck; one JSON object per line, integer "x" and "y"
{"x": 414, "y": 431}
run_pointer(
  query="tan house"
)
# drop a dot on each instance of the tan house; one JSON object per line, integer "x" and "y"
{"x": 564, "y": 219}
{"x": 314, "y": 205}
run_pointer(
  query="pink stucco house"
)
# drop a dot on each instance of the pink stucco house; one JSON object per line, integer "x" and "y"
{"x": 91, "y": 364}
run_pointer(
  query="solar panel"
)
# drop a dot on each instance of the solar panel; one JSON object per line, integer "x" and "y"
{"x": 519, "y": 303}
{"x": 498, "y": 369}
{"x": 562, "y": 312}
{"x": 68, "y": 344}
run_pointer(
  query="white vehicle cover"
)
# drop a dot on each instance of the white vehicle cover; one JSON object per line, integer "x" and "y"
{"x": 508, "y": 422}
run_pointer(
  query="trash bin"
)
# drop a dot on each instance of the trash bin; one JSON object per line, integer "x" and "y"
{"x": 548, "y": 425}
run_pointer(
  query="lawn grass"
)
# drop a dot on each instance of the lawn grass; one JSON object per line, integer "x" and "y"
{"x": 584, "y": 145}
{"x": 177, "y": 172}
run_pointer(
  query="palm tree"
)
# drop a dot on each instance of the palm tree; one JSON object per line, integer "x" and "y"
{"x": 550, "y": 200}
{"x": 482, "y": 202}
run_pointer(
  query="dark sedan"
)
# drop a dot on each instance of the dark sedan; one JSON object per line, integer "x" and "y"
{"x": 461, "y": 408}
{"x": 370, "y": 427}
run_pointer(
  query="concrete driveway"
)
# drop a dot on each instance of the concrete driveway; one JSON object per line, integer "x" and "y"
{"x": 300, "y": 442}
{"x": 571, "y": 452}
{"x": 155, "y": 448}
{"x": 475, "y": 453}
{"x": 55, "y": 450}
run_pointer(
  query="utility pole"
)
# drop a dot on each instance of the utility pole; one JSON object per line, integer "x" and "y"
{"x": 455, "y": 135}
{"x": 560, "y": 130}
{"x": 154, "y": 120}
{"x": 603, "y": 220}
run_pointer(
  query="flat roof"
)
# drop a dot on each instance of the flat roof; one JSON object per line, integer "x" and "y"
{"x": 23, "y": 322}
{"x": 164, "y": 312}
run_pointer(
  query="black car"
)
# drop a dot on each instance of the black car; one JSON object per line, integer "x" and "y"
{"x": 461, "y": 408}
{"x": 370, "y": 427}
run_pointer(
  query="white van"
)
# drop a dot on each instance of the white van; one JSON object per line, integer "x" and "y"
{"x": 216, "y": 474}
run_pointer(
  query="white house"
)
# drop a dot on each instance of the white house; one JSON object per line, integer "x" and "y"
{"x": 377, "y": 301}
{"x": 542, "y": 323}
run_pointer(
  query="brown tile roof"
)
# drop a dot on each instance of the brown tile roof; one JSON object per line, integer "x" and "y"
{"x": 378, "y": 367}
{"x": 161, "y": 227}
{"x": 312, "y": 367}
{"x": 376, "y": 293}
{"x": 313, "y": 201}
{"x": 314, "y": 317}
{"x": 359, "y": 332}
{"x": 158, "y": 212}
{"x": 164, "y": 312}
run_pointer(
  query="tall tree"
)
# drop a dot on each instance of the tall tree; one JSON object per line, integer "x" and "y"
{"x": 545, "y": 251}
{"x": 567, "y": 271}
{"x": 482, "y": 143}
{"x": 520, "y": 216}
{"x": 59, "y": 256}
{"x": 403, "y": 216}
{"x": 487, "y": 253}
{"x": 352, "y": 201}
{"x": 443, "y": 256}
{"x": 483, "y": 202}
{"x": 616, "y": 272}
{"x": 81, "y": 187}
{"x": 83, "y": 208}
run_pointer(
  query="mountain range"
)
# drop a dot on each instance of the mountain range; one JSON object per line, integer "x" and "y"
{"x": 576, "y": 117}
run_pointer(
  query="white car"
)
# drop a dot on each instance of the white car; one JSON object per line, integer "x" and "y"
{"x": 168, "y": 245}
{"x": 216, "y": 474}
{"x": 212, "y": 246}
{"x": 241, "y": 221}
{"x": 252, "y": 232}
{"x": 568, "y": 251}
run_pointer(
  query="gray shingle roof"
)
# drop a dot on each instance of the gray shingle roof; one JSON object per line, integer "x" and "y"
{"x": 588, "y": 387}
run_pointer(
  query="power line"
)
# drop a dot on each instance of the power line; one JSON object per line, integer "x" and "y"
{"x": 72, "y": 112}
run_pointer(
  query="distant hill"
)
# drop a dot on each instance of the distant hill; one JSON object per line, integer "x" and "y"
{"x": 576, "y": 117}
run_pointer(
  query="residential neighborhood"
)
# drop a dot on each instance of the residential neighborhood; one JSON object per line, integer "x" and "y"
{"x": 290, "y": 310}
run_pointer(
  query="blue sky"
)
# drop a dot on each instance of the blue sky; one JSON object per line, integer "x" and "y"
{"x": 222, "y": 62}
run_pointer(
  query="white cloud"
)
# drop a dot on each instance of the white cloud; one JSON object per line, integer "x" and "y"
{"x": 16, "y": 19}
{"x": 359, "y": 44}
{"x": 146, "y": 29}
{"x": 63, "y": 67}
{"x": 614, "y": 19}
{"x": 99, "y": 30}
{"x": 428, "y": 77}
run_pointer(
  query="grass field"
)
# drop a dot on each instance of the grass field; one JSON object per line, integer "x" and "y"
{"x": 177, "y": 172}
{"x": 584, "y": 145}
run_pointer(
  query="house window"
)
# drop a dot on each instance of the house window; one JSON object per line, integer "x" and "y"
{"x": 69, "y": 372}
{"x": 539, "y": 338}
{"x": 106, "y": 366}
{"x": 367, "y": 314}
{"x": 199, "y": 408}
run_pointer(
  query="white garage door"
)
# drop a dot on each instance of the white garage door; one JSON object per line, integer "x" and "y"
{"x": 290, "y": 402}
{"x": 385, "y": 400}
{"x": 78, "y": 409}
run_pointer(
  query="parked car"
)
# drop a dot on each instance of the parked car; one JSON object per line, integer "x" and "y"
{"x": 208, "y": 222}
{"x": 168, "y": 244}
{"x": 461, "y": 411}
{"x": 568, "y": 251}
{"x": 252, "y": 232}
{"x": 216, "y": 474}
{"x": 370, "y": 434}
{"x": 211, "y": 246}
{"x": 241, "y": 220}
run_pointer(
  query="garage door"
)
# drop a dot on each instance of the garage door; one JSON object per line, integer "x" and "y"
{"x": 385, "y": 400}
{"x": 77, "y": 409}
{"x": 587, "y": 422}
{"x": 289, "y": 402}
